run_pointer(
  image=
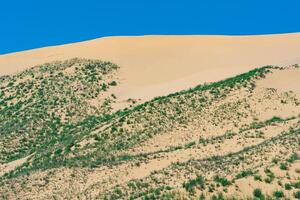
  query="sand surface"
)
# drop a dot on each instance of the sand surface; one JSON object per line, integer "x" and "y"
{"x": 287, "y": 80}
{"x": 157, "y": 65}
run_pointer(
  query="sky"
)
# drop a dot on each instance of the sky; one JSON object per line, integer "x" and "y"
{"x": 38, "y": 23}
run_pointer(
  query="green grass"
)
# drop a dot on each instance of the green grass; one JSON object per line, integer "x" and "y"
{"x": 190, "y": 185}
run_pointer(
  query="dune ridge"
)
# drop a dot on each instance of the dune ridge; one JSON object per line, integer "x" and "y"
{"x": 157, "y": 65}
{"x": 141, "y": 121}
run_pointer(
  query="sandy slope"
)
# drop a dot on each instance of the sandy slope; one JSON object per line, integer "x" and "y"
{"x": 157, "y": 65}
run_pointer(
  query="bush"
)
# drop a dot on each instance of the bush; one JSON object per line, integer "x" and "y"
{"x": 293, "y": 157}
{"x": 288, "y": 186}
{"x": 243, "y": 174}
{"x": 218, "y": 197}
{"x": 297, "y": 195}
{"x": 278, "y": 194}
{"x": 258, "y": 193}
{"x": 297, "y": 184}
{"x": 257, "y": 178}
{"x": 283, "y": 166}
{"x": 222, "y": 181}
{"x": 113, "y": 83}
{"x": 191, "y": 184}
{"x": 189, "y": 145}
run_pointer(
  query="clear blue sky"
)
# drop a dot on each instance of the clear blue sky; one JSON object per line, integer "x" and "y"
{"x": 38, "y": 23}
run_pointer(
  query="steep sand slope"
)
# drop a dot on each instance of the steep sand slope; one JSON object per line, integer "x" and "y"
{"x": 158, "y": 65}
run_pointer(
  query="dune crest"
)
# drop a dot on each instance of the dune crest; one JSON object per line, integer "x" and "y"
{"x": 157, "y": 65}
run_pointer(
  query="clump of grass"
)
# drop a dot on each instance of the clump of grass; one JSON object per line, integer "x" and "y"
{"x": 190, "y": 185}
{"x": 244, "y": 174}
{"x": 221, "y": 180}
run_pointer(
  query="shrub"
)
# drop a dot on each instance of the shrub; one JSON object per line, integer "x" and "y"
{"x": 297, "y": 195}
{"x": 218, "y": 197}
{"x": 191, "y": 184}
{"x": 97, "y": 137}
{"x": 202, "y": 197}
{"x": 244, "y": 174}
{"x": 270, "y": 175}
{"x": 293, "y": 158}
{"x": 222, "y": 181}
{"x": 283, "y": 166}
{"x": 113, "y": 83}
{"x": 257, "y": 177}
{"x": 189, "y": 145}
{"x": 297, "y": 184}
{"x": 278, "y": 194}
{"x": 288, "y": 186}
{"x": 104, "y": 87}
{"x": 258, "y": 193}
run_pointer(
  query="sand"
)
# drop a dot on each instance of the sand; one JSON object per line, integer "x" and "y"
{"x": 287, "y": 80}
{"x": 157, "y": 65}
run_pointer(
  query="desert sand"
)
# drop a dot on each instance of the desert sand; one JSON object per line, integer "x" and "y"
{"x": 229, "y": 138}
{"x": 158, "y": 65}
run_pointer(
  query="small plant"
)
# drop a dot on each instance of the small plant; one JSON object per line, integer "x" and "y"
{"x": 191, "y": 184}
{"x": 113, "y": 83}
{"x": 222, "y": 181}
{"x": 287, "y": 186}
{"x": 202, "y": 197}
{"x": 219, "y": 196}
{"x": 278, "y": 194}
{"x": 268, "y": 180}
{"x": 244, "y": 174}
{"x": 296, "y": 184}
{"x": 293, "y": 157}
{"x": 189, "y": 145}
{"x": 257, "y": 177}
{"x": 297, "y": 195}
{"x": 283, "y": 166}
{"x": 270, "y": 175}
{"x": 258, "y": 193}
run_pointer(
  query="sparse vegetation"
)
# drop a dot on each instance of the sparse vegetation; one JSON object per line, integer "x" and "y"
{"x": 70, "y": 135}
{"x": 191, "y": 184}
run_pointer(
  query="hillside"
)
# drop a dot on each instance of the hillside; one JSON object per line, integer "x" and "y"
{"x": 66, "y": 134}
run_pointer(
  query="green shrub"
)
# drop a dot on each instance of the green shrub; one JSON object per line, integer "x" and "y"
{"x": 113, "y": 83}
{"x": 258, "y": 193}
{"x": 222, "y": 181}
{"x": 243, "y": 174}
{"x": 257, "y": 177}
{"x": 202, "y": 197}
{"x": 278, "y": 194}
{"x": 297, "y": 195}
{"x": 191, "y": 184}
{"x": 219, "y": 196}
{"x": 189, "y": 145}
{"x": 296, "y": 184}
{"x": 293, "y": 157}
{"x": 288, "y": 186}
{"x": 283, "y": 166}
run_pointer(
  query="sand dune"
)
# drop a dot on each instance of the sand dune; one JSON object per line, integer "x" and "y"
{"x": 157, "y": 65}
{"x": 65, "y": 135}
